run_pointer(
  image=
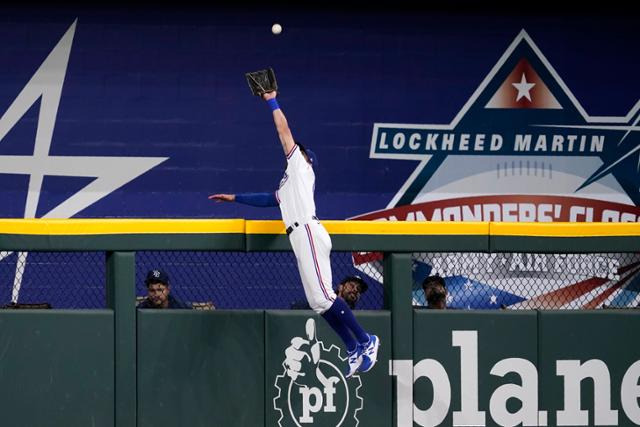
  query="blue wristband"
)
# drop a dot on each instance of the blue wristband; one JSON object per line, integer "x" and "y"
{"x": 273, "y": 104}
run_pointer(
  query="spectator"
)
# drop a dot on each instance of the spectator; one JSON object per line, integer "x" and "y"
{"x": 350, "y": 290}
{"x": 159, "y": 292}
{"x": 435, "y": 292}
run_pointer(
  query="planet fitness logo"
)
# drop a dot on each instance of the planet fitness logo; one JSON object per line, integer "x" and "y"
{"x": 312, "y": 389}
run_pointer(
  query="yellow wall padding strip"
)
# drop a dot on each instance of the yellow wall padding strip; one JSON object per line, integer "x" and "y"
{"x": 204, "y": 226}
{"x": 565, "y": 229}
{"x": 381, "y": 227}
{"x": 74, "y": 227}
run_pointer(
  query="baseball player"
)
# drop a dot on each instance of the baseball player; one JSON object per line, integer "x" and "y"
{"x": 311, "y": 242}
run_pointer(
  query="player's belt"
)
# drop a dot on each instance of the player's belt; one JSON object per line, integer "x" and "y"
{"x": 296, "y": 225}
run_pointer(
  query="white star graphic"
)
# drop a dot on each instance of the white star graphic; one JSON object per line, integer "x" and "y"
{"x": 468, "y": 285}
{"x": 493, "y": 299}
{"x": 523, "y": 88}
{"x": 110, "y": 173}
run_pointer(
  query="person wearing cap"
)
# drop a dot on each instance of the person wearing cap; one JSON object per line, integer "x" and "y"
{"x": 159, "y": 292}
{"x": 311, "y": 244}
{"x": 350, "y": 289}
{"x": 435, "y": 292}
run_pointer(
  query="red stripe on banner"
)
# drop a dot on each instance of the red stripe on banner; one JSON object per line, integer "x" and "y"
{"x": 510, "y": 208}
{"x": 594, "y": 303}
{"x": 315, "y": 261}
{"x": 290, "y": 153}
{"x": 560, "y": 297}
{"x": 365, "y": 257}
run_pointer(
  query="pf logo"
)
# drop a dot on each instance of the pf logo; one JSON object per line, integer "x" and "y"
{"x": 312, "y": 389}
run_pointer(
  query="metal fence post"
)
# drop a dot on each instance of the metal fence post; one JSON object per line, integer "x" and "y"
{"x": 121, "y": 297}
{"x": 397, "y": 298}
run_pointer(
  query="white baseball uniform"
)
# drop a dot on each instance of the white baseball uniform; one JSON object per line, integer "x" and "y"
{"x": 309, "y": 239}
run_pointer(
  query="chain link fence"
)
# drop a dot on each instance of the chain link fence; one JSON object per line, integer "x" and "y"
{"x": 61, "y": 279}
{"x": 239, "y": 280}
{"x": 270, "y": 280}
{"x": 532, "y": 280}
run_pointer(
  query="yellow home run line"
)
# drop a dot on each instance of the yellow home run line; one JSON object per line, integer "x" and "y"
{"x": 72, "y": 227}
{"x": 380, "y": 227}
{"x": 565, "y": 229}
{"x": 240, "y": 226}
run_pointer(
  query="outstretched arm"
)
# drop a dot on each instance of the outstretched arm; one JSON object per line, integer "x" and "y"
{"x": 223, "y": 197}
{"x": 252, "y": 199}
{"x": 286, "y": 138}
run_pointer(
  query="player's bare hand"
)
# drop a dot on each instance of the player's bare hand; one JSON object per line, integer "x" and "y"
{"x": 302, "y": 352}
{"x": 223, "y": 197}
{"x": 269, "y": 95}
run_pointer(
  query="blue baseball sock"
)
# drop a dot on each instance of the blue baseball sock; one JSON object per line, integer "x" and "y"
{"x": 341, "y": 329}
{"x": 345, "y": 316}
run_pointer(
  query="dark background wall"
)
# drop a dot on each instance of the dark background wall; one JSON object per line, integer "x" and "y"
{"x": 168, "y": 81}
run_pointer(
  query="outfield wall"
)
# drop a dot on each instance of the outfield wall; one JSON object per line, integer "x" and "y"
{"x": 203, "y": 368}
{"x": 126, "y": 368}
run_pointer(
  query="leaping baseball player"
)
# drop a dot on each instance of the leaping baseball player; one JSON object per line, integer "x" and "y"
{"x": 311, "y": 242}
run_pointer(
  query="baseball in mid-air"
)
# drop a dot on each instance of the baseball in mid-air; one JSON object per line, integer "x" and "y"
{"x": 276, "y": 28}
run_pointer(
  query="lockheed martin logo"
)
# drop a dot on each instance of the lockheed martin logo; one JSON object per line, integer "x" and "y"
{"x": 521, "y": 149}
{"x": 110, "y": 173}
{"x": 522, "y": 132}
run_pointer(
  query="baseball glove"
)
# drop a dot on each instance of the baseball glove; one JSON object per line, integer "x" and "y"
{"x": 262, "y": 81}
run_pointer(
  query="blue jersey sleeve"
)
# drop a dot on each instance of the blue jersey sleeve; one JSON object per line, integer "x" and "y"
{"x": 262, "y": 200}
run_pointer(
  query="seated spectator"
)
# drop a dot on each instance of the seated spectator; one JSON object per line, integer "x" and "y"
{"x": 435, "y": 292}
{"x": 159, "y": 292}
{"x": 350, "y": 289}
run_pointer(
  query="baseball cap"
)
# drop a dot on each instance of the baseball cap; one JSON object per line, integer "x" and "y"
{"x": 433, "y": 280}
{"x": 157, "y": 276}
{"x": 357, "y": 279}
{"x": 310, "y": 154}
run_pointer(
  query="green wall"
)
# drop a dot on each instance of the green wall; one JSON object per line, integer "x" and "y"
{"x": 504, "y": 368}
{"x": 122, "y": 367}
{"x": 56, "y": 368}
{"x": 362, "y": 399}
{"x": 200, "y": 368}
{"x": 225, "y": 368}
{"x": 608, "y": 340}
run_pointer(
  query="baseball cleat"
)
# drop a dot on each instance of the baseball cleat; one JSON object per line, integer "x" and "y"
{"x": 370, "y": 354}
{"x": 355, "y": 360}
